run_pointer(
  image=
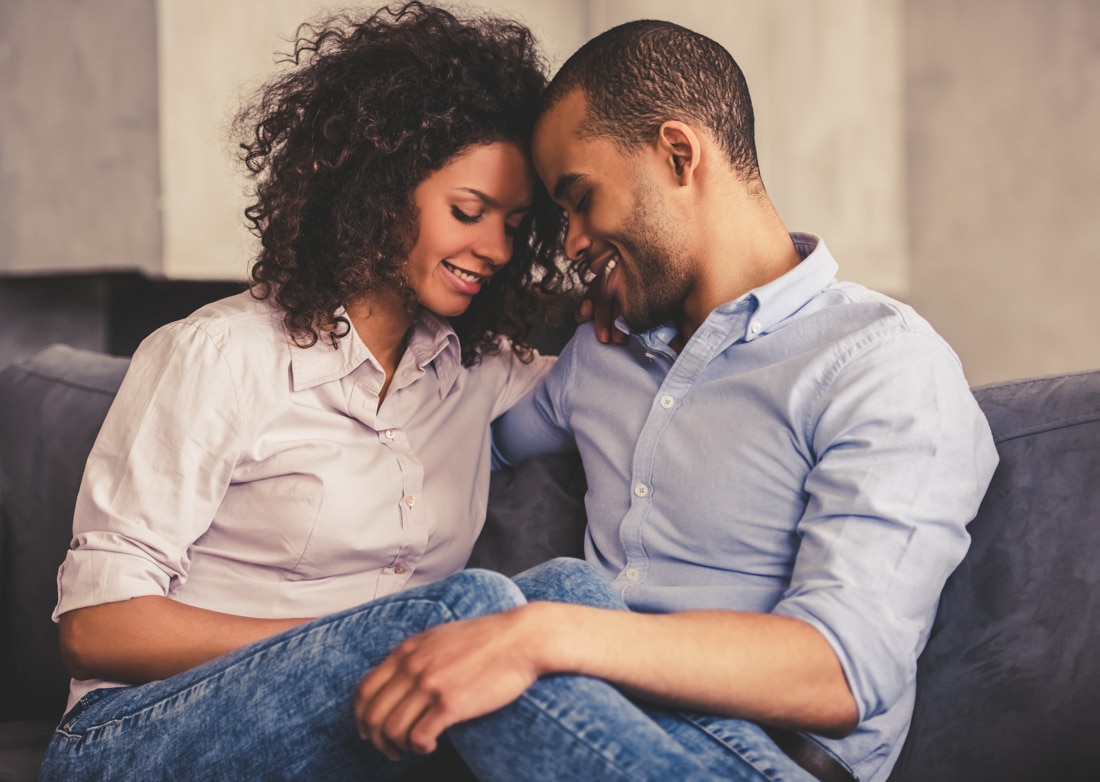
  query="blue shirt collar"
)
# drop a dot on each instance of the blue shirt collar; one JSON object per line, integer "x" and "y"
{"x": 761, "y": 309}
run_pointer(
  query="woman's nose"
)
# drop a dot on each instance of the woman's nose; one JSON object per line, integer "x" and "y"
{"x": 495, "y": 246}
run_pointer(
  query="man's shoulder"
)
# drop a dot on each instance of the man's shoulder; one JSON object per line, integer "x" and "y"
{"x": 855, "y": 316}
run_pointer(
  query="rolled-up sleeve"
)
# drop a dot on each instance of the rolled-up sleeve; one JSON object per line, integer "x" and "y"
{"x": 903, "y": 458}
{"x": 157, "y": 472}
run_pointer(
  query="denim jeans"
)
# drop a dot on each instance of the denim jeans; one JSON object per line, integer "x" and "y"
{"x": 281, "y": 708}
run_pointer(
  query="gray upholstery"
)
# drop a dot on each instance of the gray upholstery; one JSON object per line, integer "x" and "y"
{"x": 51, "y": 408}
{"x": 1009, "y": 687}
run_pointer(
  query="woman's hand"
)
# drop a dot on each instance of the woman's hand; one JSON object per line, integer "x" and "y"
{"x": 602, "y": 309}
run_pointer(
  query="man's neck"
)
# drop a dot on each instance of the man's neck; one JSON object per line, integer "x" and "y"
{"x": 741, "y": 246}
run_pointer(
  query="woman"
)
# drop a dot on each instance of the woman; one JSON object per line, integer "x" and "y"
{"x": 322, "y": 440}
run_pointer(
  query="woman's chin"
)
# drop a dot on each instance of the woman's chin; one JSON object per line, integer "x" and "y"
{"x": 448, "y": 309}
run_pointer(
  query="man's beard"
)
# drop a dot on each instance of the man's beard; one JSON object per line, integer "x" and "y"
{"x": 655, "y": 282}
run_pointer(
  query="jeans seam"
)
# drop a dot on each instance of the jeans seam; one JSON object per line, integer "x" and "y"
{"x": 770, "y": 774}
{"x": 577, "y": 739}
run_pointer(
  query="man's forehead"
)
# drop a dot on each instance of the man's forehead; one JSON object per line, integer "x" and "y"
{"x": 562, "y": 122}
{"x": 558, "y": 139}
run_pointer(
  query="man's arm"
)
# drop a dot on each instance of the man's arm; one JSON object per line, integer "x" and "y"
{"x": 770, "y": 669}
{"x": 538, "y": 422}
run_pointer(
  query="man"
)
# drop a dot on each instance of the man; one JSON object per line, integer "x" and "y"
{"x": 780, "y": 468}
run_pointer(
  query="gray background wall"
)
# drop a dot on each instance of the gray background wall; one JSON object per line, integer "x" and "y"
{"x": 1003, "y": 117}
{"x": 1001, "y": 171}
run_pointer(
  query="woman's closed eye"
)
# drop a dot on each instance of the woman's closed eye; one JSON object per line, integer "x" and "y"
{"x": 465, "y": 217}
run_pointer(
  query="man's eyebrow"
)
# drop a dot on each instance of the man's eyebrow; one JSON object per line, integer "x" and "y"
{"x": 565, "y": 181}
{"x": 489, "y": 201}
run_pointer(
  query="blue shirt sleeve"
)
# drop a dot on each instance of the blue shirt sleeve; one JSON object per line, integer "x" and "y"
{"x": 538, "y": 423}
{"x": 903, "y": 456}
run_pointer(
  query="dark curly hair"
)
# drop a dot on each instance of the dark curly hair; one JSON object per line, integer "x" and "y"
{"x": 338, "y": 144}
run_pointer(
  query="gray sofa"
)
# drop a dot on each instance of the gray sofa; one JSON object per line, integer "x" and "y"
{"x": 1009, "y": 686}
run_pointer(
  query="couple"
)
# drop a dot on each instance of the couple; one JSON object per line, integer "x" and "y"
{"x": 265, "y": 575}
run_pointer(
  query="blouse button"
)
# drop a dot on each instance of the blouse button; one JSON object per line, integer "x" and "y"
{"x": 667, "y": 402}
{"x": 410, "y": 500}
{"x": 400, "y": 569}
{"x": 641, "y": 490}
{"x": 390, "y": 433}
{"x": 631, "y": 574}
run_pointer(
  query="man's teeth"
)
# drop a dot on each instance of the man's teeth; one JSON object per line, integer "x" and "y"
{"x": 610, "y": 267}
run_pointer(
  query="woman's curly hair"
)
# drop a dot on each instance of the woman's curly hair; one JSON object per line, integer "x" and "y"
{"x": 338, "y": 144}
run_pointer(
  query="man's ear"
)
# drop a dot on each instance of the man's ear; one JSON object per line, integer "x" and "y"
{"x": 680, "y": 146}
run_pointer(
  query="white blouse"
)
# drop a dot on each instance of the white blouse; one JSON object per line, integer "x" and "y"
{"x": 239, "y": 473}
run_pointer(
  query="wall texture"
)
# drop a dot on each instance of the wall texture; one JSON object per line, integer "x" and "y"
{"x": 79, "y": 176}
{"x": 999, "y": 167}
{"x": 1003, "y": 117}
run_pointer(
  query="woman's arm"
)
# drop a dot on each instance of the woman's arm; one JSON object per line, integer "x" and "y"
{"x": 153, "y": 637}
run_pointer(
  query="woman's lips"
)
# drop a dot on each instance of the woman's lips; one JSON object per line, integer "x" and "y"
{"x": 466, "y": 281}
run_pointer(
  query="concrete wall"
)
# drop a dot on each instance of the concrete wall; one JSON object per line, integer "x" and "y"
{"x": 79, "y": 176}
{"x": 1003, "y": 112}
{"x": 997, "y": 178}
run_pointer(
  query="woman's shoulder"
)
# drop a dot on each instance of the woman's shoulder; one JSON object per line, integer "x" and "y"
{"x": 236, "y": 324}
{"x": 240, "y": 330}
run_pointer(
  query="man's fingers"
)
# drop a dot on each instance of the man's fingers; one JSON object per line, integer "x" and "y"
{"x": 368, "y": 688}
{"x": 392, "y": 728}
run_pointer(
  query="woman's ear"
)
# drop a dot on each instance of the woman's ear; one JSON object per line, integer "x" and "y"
{"x": 680, "y": 146}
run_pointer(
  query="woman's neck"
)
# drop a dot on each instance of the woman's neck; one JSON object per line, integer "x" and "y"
{"x": 383, "y": 322}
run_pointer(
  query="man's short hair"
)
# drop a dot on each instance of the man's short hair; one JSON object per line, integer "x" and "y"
{"x": 641, "y": 74}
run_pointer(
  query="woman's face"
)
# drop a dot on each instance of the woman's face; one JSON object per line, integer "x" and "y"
{"x": 469, "y": 212}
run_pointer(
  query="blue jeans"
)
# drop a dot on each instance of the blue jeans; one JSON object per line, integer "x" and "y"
{"x": 282, "y": 708}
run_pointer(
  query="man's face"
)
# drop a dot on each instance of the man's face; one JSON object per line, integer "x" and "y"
{"x": 618, "y": 215}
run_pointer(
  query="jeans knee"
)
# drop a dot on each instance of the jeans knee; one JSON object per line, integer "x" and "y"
{"x": 569, "y": 580}
{"x": 477, "y": 592}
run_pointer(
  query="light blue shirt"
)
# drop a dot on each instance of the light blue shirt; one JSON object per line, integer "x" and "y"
{"x": 814, "y": 451}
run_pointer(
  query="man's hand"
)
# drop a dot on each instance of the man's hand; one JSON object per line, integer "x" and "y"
{"x": 448, "y": 674}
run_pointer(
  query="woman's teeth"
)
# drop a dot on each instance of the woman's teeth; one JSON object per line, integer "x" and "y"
{"x": 462, "y": 274}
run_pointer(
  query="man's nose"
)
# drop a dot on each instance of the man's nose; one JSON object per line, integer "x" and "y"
{"x": 577, "y": 241}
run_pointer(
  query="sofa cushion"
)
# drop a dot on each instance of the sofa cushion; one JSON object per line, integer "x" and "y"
{"x": 536, "y": 512}
{"x": 1008, "y": 687}
{"x": 51, "y": 407}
